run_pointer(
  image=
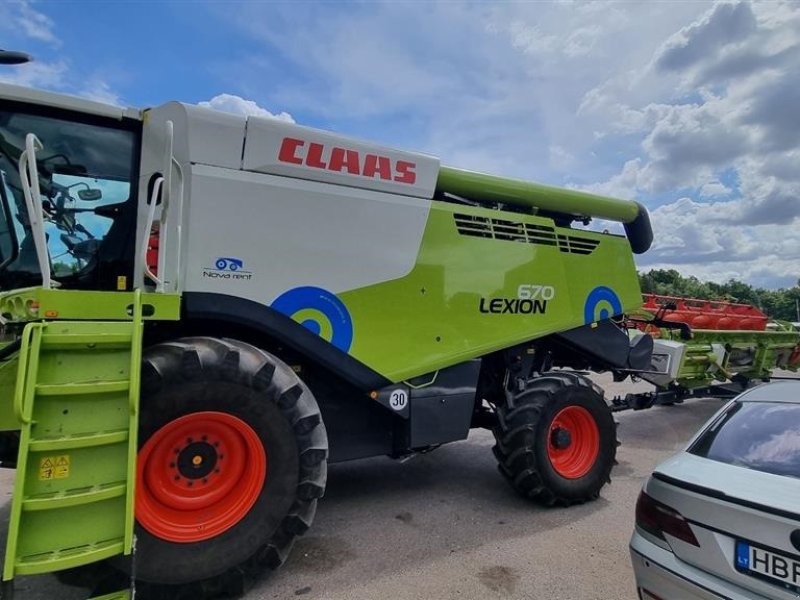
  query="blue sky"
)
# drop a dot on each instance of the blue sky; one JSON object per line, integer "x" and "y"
{"x": 690, "y": 107}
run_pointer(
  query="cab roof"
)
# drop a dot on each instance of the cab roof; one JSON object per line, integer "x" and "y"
{"x": 67, "y": 102}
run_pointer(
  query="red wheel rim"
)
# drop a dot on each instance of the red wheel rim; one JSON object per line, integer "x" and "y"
{"x": 198, "y": 476}
{"x": 573, "y": 442}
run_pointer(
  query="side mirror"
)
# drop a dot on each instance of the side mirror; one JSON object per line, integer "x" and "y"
{"x": 90, "y": 195}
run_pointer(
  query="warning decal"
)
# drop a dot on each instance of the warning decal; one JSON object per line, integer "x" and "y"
{"x": 54, "y": 467}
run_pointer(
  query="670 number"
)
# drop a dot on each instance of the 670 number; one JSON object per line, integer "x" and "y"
{"x": 530, "y": 291}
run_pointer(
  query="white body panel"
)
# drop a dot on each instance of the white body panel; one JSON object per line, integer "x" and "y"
{"x": 282, "y": 148}
{"x": 202, "y": 136}
{"x": 289, "y": 225}
{"x": 290, "y": 233}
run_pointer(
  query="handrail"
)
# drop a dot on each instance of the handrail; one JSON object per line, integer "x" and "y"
{"x": 21, "y": 411}
{"x": 136, "y": 352}
{"x": 151, "y": 215}
{"x": 178, "y": 216}
{"x": 166, "y": 196}
{"x": 29, "y": 178}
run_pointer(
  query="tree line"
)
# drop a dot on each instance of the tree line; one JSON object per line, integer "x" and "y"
{"x": 779, "y": 304}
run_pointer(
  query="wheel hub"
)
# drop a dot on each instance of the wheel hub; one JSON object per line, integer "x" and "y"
{"x": 560, "y": 438}
{"x": 197, "y": 460}
{"x": 198, "y": 476}
{"x": 574, "y": 442}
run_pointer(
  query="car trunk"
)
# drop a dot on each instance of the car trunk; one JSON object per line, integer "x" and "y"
{"x": 726, "y": 504}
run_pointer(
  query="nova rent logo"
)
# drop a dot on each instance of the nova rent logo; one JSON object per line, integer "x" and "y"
{"x": 229, "y": 269}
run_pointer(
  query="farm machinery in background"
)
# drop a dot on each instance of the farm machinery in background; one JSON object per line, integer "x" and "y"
{"x": 707, "y": 348}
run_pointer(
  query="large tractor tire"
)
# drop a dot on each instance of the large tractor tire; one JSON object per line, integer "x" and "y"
{"x": 233, "y": 457}
{"x": 556, "y": 442}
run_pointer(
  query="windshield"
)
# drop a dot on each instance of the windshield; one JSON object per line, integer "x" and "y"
{"x": 85, "y": 177}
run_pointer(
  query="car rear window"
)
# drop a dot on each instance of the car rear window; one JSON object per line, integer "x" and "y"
{"x": 764, "y": 436}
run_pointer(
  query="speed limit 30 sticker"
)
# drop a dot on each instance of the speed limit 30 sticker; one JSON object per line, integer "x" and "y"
{"x": 398, "y": 399}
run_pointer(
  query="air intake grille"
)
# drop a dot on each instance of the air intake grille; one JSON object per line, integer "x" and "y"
{"x": 516, "y": 231}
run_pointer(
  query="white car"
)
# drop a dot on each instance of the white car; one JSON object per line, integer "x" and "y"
{"x": 722, "y": 518}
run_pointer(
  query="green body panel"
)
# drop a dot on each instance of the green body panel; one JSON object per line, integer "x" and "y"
{"x": 125, "y": 595}
{"x": 38, "y": 303}
{"x": 8, "y": 383}
{"x": 76, "y": 403}
{"x": 749, "y": 354}
{"x": 470, "y": 184}
{"x": 432, "y": 318}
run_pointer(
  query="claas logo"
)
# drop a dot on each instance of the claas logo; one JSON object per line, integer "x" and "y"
{"x": 345, "y": 160}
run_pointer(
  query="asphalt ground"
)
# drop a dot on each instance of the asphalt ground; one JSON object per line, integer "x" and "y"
{"x": 445, "y": 525}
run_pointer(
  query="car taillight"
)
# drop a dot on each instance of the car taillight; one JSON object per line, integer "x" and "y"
{"x": 657, "y": 519}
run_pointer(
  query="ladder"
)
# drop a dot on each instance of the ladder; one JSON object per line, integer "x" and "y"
{"x": 77, "y": 399}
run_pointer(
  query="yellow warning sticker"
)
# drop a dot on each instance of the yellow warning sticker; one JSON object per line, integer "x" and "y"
{"x": 122, "y": 283}
{"x": 54, "y": 467}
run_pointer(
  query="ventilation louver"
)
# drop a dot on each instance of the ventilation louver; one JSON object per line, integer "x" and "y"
{"x": 516, "y": 231}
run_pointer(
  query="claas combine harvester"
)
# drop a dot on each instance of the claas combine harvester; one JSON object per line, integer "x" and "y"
{"x": 202, "y": 311}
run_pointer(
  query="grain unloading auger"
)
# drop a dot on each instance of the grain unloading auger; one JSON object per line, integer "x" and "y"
{"x": 204, "y": 310}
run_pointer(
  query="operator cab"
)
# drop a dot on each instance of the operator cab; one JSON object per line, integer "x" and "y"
{"x": 87, "y": 173}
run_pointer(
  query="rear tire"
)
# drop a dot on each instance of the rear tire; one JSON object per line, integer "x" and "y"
{"x": 557, "y": 443}
{"x": 254, "y": 403}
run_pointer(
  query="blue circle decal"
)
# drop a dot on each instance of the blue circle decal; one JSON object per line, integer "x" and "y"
{"x": 327, "y": 313}
{"x": 601, "y": 303}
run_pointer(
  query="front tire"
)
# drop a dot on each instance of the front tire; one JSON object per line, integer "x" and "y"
{"x": 233, "y": 457}
{"x": 556, "y": 442}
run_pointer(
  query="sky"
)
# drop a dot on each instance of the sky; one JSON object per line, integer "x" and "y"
{"x": 692, "y": 108}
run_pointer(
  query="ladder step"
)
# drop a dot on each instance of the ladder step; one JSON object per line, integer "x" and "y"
{"x": 83, "y": 440}
{"x": 85, "y": 387}
{"x": 69, "y": 557}
{"x": 124, "y": 595}
{"x": 74, "y": 497}
{"x": 90, "y": 340}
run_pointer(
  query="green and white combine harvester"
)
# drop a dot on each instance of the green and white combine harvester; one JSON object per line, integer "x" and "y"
{"x": 202, "y": 311}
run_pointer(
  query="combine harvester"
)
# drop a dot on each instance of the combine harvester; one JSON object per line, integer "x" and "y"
{"x": 204, "y": 310}
{"x": 707, "y": 348}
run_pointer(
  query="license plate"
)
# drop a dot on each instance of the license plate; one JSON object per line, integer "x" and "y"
{"x": 765, "y": 564}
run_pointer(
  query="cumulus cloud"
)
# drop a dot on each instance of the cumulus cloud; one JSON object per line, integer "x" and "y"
{"x": 100, "y": 91}
{"x": 653, "y": 101}
{"x": 21, "y": 18}
{"x": 22, "y": 26}
{"x": 714, "y": 189}
{"x": 239, "y": 106}
{"x": 37, "y": 74}
{"x": 733, "y": 108}
{"x": 723, "y": 25}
